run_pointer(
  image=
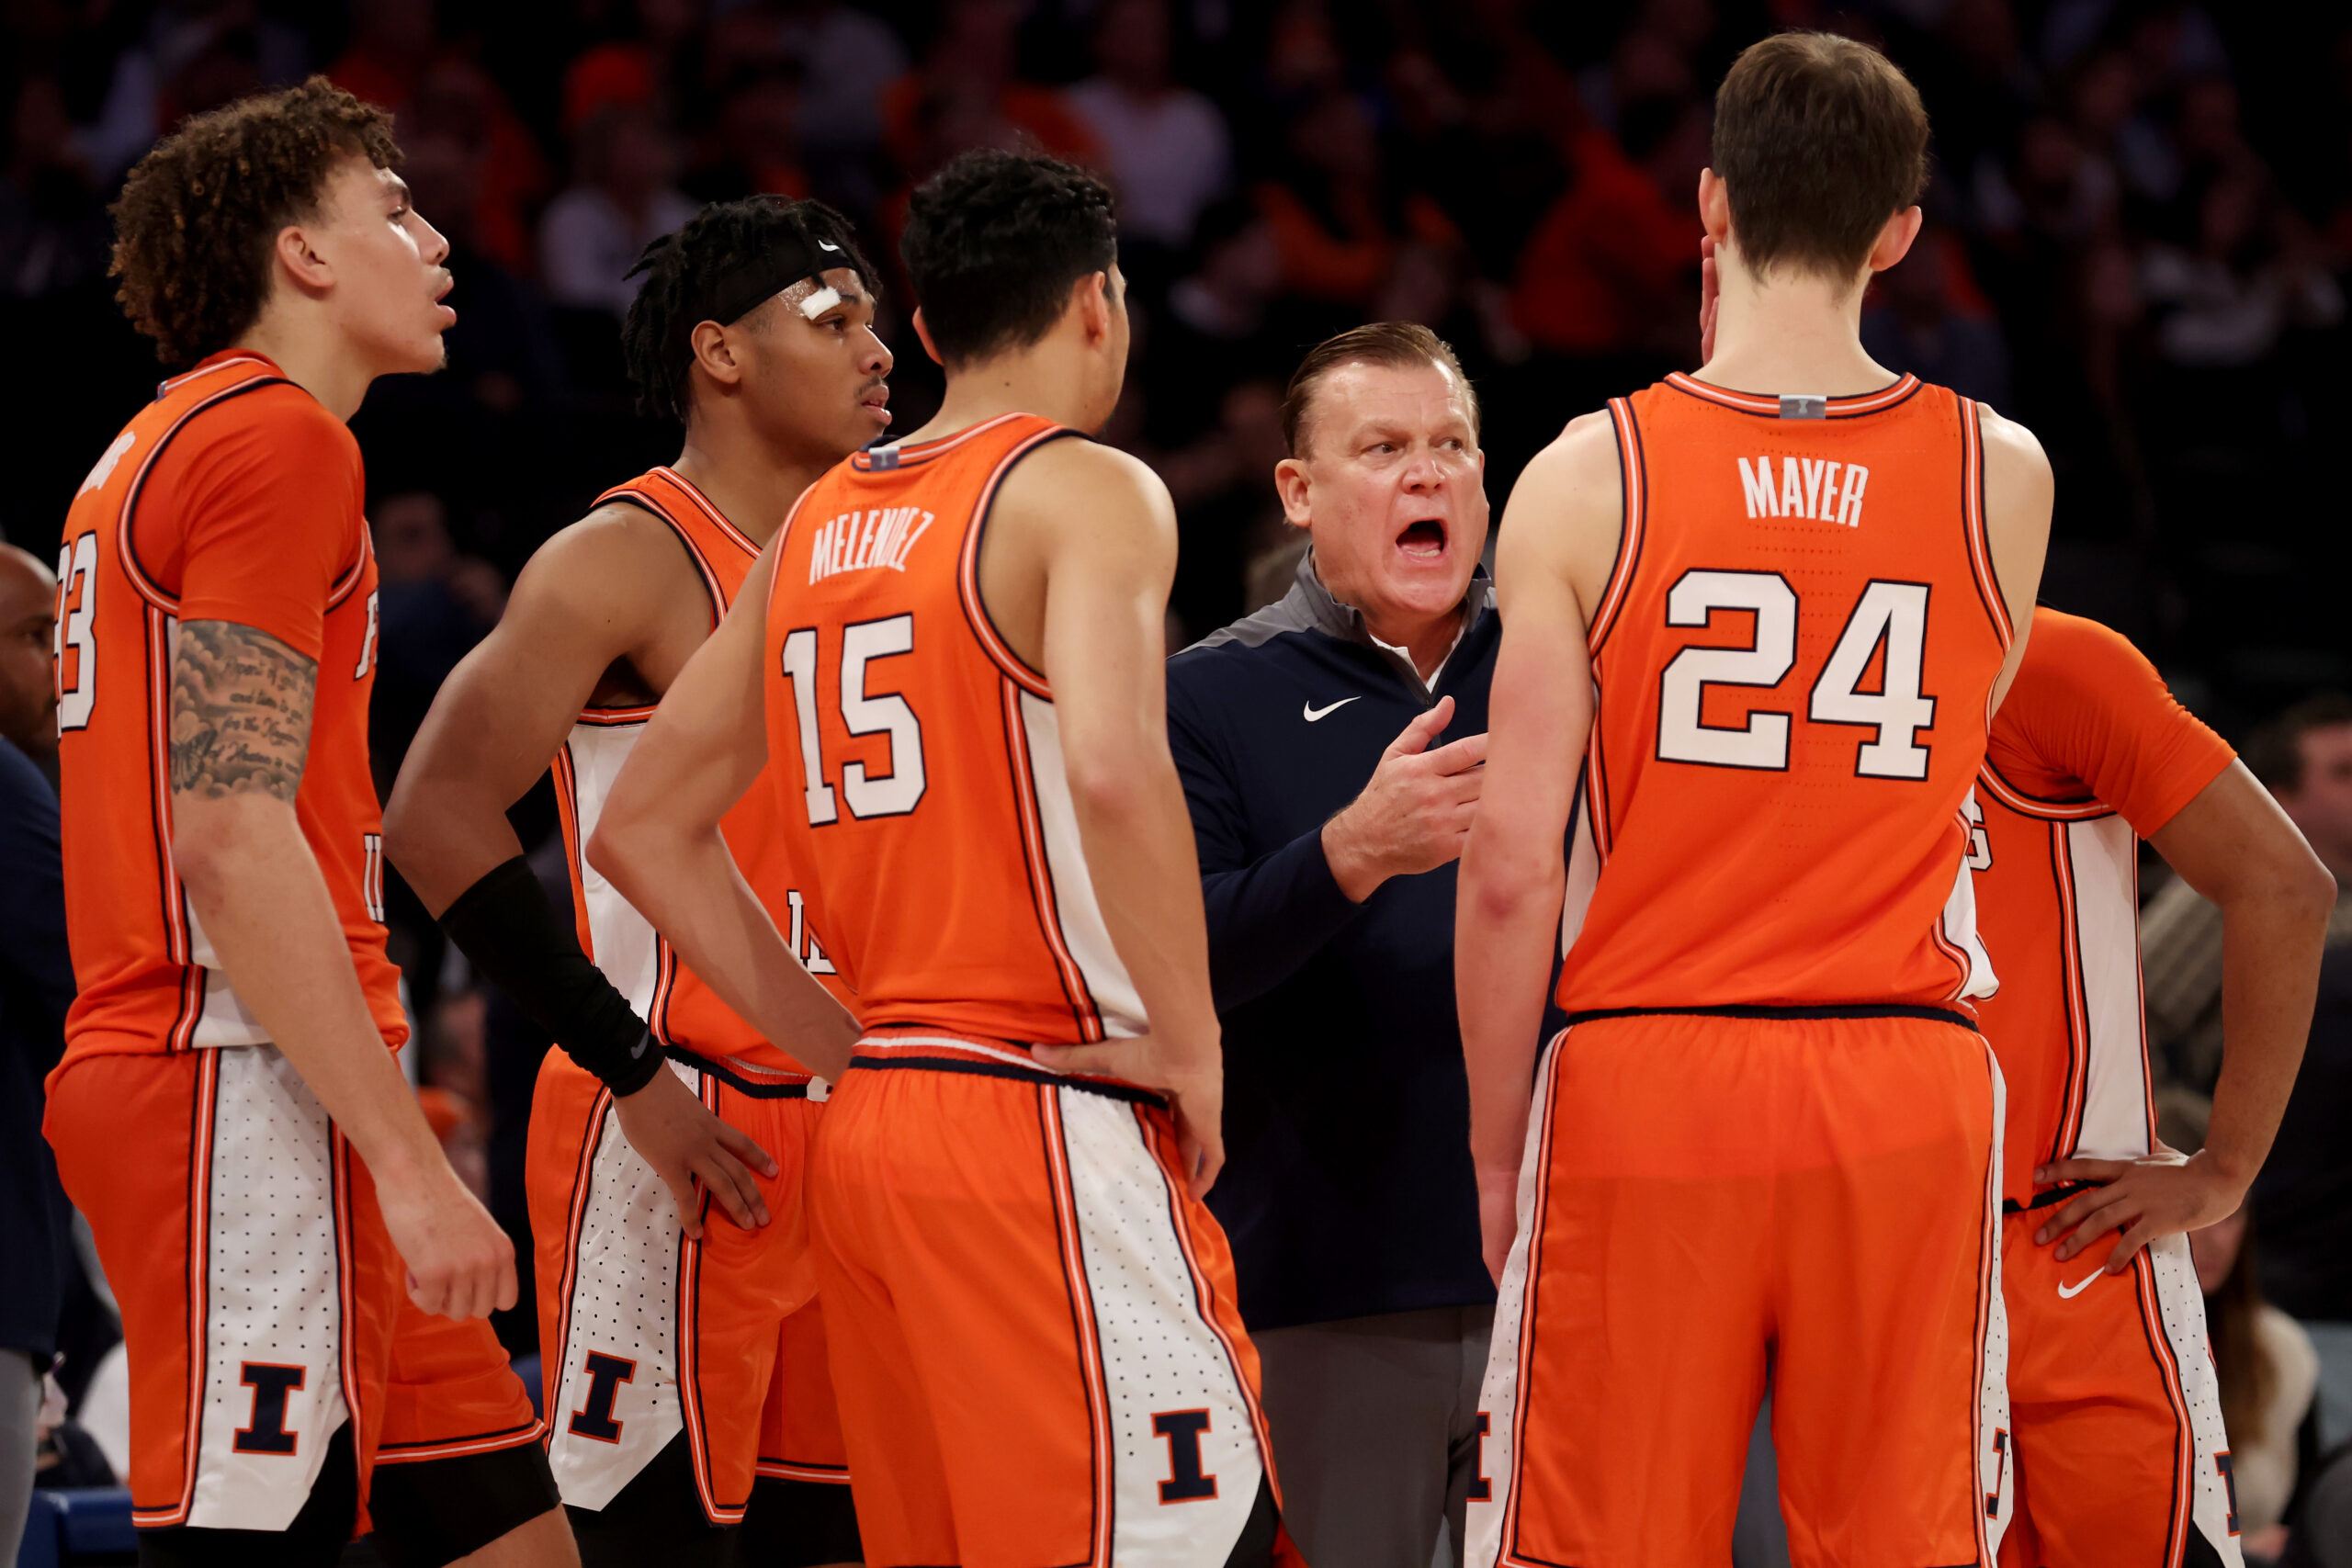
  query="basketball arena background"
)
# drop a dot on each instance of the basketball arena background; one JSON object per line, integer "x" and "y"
{"x": 2139, "y": 241}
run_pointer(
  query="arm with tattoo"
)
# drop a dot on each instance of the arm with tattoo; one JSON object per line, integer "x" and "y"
{"x": 240, "y": 733}
{"x": 241, "y": 712}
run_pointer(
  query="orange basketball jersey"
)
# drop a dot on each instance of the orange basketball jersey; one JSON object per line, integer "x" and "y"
{"x": 918, "y": 760}
{"x": 233, "y": 496}
{"x": 2089, "y": 754}
{"x": 681, "y": 1010}
{"x": 1793, "y": 662}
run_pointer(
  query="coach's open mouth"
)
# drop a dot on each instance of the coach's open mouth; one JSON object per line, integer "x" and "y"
{"x": 1423, "y": 540}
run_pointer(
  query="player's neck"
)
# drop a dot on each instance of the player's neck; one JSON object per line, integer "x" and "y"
{"x": 314, "y": 356}
{"x": 1048, "y": 379}
{"x": 750, "y": 482}
{"x": 1790, "y": 335}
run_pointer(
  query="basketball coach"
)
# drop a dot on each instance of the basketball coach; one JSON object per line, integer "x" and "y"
{"x": 1329, "y": 747}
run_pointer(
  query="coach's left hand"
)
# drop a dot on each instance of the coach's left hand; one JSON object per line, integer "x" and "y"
{"x": 2161, "y": 1193}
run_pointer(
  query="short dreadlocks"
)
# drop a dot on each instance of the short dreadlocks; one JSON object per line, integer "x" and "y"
{"x": 198, "y": 218}
{"x": 687, "y": 273}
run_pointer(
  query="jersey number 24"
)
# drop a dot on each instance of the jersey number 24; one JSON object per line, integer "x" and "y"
{"x": 1892, "y": 614}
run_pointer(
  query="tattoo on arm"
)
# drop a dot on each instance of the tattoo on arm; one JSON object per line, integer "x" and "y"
{"x": 240, "y": 711}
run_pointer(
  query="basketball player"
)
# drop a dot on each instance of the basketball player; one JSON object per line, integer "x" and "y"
{"x": 2115, "y": 1436}
{"x": 659, "y": 1332}
{"x": 1762, "y": 614}
{"x": 229, "y": 1113}
{"x": 958, "y": 674}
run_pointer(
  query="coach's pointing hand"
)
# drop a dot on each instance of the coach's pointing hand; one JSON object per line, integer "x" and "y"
{"x": 1414, "y": 813}
{"x": 685, "y": 1142}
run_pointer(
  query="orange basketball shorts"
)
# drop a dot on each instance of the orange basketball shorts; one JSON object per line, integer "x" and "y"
{"x": 1708, "y": 1197}
{"x": 263, "y": 1303}
{"x": 2115, "y": 1416}
{"x": 647, "y": 1334}
{"x": 1033, "y": 1321}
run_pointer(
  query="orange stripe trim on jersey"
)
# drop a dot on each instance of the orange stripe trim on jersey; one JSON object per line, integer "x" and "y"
{"x": 1769, "y": 407}
{"x": 1980, "y": 546}
{"x": 2184, "y": 1452}
{"x": 631, "y": 495}
{"x": 615, "y": 718}
{"x": 862, "y": 461}
{"x": 146, "y": 587}
{"x": 1634, "y": 490}
{"x": 1081, "y": 1311}
{"x": 1041, "y": 876}
{"x": 703, "y": 503}
{"x": 1604, "y": 836}
{"x": 2078, "y": 1028}
{"x": 689, "y": 1343}
{"x": 2026, "y": 805}
{"x": 967, "y": 568}
{"x": 342, "y": 586}
{"x": 346, "y": 1300}
{"x": 186, "y": 376}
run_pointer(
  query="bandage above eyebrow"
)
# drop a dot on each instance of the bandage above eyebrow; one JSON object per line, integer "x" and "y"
{"x": 823, "y": 300}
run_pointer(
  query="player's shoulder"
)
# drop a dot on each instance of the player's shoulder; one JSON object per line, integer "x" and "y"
{"x": 616, "y": 553}
{"x": 278, "y": 411}
{"x": 2073, "y": 658}
{"x": 2009, "y": 445}
{"x": 1081, "y": 483}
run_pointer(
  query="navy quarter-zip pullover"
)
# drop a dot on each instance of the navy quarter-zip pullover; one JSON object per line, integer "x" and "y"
{"x": 1347, "y": 1189}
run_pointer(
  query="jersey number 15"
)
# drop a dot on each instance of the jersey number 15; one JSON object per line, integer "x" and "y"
{"x": 893, "y": 793}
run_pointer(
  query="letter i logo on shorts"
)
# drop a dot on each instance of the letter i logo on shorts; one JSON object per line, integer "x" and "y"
{"x": 594, "y": 1417}
{"x": 1182, "y": 1428}
{"x": 271, "y": 1383}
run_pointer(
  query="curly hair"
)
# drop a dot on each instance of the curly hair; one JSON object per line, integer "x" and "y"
{"x": 993, "y": 243}
{"x": 199, "y": 214}
{"x": 685, "y": 272}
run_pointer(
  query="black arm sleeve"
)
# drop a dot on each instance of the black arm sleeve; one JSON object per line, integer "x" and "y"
{"x": 1267, "y": 914}
{"x": 506, "y": 925}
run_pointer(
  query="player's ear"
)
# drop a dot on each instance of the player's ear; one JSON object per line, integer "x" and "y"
{"x": 299, "y": 260}
{"x": 1895, "y": 240}
{"x": 1714, "y": 207}
{"x": 923, "y": 336}
{"x": 715, "y": 354}
{"x": 1291, "y": 484}
{"x": 1092, "y": 296}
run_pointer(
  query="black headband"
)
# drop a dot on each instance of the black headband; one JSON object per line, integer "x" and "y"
{"x": 764, "y": 274}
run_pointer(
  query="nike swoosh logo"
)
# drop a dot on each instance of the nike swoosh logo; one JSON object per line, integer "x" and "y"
{"x": 1314, "y": 713}
{"x": 643, "y": 1042}
{"x": 2068, "y": 1293}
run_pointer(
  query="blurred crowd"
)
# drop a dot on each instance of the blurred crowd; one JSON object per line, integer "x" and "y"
{"x": 2139, "y": 238}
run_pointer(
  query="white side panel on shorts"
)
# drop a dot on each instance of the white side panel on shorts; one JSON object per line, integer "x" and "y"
{"x": 225, "y": 1020}
{"x": 2181, "y": 1304}
{"x": 1161, "y": 1356}
{"x": 1995, "y": 1453}
{"x": 272, "y": 1290}
{"x": 624, "y": 1304}
{"x": 2105, "y": 855}
{"x": 622, "y": 941}
{"x": 1498, "y": 1391}
{"x": 1083, "y": 932}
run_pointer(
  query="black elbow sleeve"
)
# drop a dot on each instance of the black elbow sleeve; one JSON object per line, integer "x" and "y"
{"x": 508, "y": 928}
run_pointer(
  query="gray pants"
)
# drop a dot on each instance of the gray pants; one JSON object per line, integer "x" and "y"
{"x": 1375, "y": 1430}
{"x": 20, "y": 1418}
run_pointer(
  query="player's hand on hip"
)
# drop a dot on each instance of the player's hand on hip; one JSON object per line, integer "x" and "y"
{"x": 2159, "y": 1194}
{"x": 460, "y": 1263}
{"x": 1415, "y": 813}
{"x": 1497, "y": 1218}
{"x": 686, "y": 1142}
{"x": 1191, "y": 1077}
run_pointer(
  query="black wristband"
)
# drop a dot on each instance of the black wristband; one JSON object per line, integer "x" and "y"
{"x": 507, "y": 926}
